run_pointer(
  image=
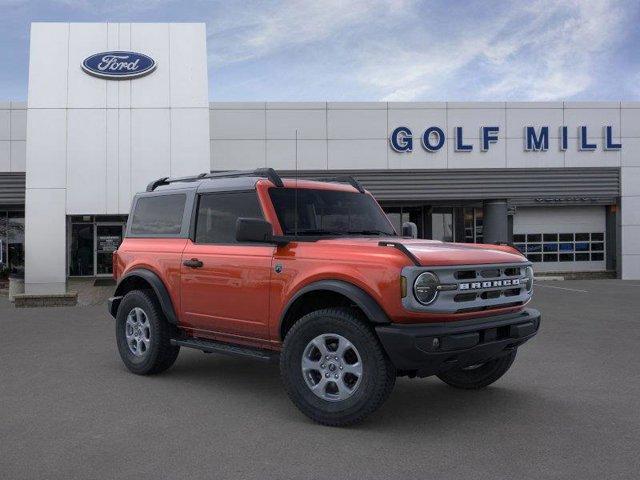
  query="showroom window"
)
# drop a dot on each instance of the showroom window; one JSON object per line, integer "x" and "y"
{"x": 11, "y": 242}
{"x": 91, "y": 243}
{"x": 473, "y": 218}
{"x": 561, "y": 247}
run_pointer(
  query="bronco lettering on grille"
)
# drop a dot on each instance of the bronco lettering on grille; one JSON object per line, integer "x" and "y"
{"x": 489, "y": 284}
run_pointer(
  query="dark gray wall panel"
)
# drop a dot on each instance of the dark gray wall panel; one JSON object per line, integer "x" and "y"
{"x": 527, "y": 186}
{"x": 12, "y": 188}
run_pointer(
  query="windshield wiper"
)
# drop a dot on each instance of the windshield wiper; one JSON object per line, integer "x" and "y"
{"x": 318, "y": 231}
{"x": 370, "y": 232}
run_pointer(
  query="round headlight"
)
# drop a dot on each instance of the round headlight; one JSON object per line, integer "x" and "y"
{"x": 425, "y": 287}
{"x": 528, "y": 278}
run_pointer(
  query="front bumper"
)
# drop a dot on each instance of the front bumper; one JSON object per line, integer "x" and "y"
{"x": 428, "y": 349}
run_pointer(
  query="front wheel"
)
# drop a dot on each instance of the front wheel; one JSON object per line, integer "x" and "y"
{"x": 478, "y": 376}
{"x": 334, "y": 368}
{"x": 143, "y": 334}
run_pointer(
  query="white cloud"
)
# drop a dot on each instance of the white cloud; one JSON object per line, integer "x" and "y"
{"x": 257, "y": 30}
{"x": 547, "y": 50}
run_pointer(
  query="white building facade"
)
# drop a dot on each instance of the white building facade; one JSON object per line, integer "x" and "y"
{"x": 561, "y": 180}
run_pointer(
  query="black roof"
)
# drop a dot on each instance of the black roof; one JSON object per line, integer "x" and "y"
{"x": 233, "y": 180}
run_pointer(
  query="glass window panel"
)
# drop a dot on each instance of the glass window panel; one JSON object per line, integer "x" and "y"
{"x": 536, "y": 257}
{"x": 327, "y": 212}
{"x": 442, "y": 226}
{"x": 566, "y": 247}
{"x": 550, "y": 247}
{"x": 582, "y": 247}
{"x": 3, "y": 245}
{"x": 597, "y": 257}
{"x": 479, "y": 220}
{"x": 108, "y": 240}
{"x": 566, "y": 257}
{"x": 534, "y": 247}
{"x": 581, "y": 237}
{"x": 395, "y": 217}
{"x": 81, "y": 251}
{"x": 597, "y": 247}
{"x": 81, "y": 218}
{"x": 519, "y": 238}
{"x": 550, "y": 257}
{"x": 582, "y": 257}
{"x": 468, "y": 225}
{"x": 413, "y": 214}
{"x": 550, "y": 237}
{"x": 597, "y": 237}
{"x": 566, "y": 237}
{"x": 534, "y": 237}
{"x": 218, "y": 214}
{"x": 158, "y": 215}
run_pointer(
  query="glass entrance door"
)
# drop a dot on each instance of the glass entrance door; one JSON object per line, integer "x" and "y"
{"x": 108, "y": 238}
{"x": 81, "y": 258}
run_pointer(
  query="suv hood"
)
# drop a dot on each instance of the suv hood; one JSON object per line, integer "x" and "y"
{"x": 436, "y": 253}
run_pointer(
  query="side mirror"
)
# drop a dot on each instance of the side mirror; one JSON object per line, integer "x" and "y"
{"x": 409, "y": 229}
{"x": 253, "y": 230}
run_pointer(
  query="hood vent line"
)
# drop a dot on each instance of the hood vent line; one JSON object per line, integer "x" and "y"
{"x": 403, "y": 249}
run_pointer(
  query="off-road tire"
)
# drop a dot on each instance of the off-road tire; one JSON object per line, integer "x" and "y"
{"x": 378, "y": 376}
{"x": 479, "y": 377}
{"x": 161, "y": 354}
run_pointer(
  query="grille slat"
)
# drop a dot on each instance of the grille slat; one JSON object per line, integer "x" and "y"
{"x": 493, "y": 273}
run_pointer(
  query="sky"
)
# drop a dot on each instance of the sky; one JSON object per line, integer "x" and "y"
{"x": 377, "y": 50}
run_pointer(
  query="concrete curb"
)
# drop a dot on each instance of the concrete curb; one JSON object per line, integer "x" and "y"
{"x": 23, "y": 300}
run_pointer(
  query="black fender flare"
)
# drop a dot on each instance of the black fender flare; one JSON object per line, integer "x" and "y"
{"x": 162, "y": 294}
{"x": 362, "y": 299}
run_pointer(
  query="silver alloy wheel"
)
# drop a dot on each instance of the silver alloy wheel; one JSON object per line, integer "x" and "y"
{"x": 332, "y": 367}
{"x": 138, "y": 332}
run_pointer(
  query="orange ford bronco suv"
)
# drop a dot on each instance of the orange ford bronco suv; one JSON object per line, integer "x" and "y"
{"x": 313, "y": 274}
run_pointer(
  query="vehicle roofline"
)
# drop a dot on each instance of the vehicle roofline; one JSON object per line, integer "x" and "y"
{"x": 236, "y": 179}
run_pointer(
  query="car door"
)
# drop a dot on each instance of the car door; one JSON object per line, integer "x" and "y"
{"x": 225, "y": 284}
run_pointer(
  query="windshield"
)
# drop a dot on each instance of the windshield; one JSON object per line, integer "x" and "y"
{"x": 328, "y": 212}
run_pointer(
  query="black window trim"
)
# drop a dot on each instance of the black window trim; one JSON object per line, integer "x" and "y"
{"x": 186, "y": 214}
{"x": 196, "y": 209}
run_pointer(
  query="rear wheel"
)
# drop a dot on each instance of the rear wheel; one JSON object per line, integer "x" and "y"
{"x": 334, "y": 368}
{"x": 478, "y": 376}
{"x": 143, "y": 335}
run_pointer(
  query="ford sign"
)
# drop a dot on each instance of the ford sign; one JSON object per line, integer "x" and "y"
{"x": 118, "y": 65}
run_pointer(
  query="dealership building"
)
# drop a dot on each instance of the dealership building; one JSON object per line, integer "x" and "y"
{"x": 112, "y": 106}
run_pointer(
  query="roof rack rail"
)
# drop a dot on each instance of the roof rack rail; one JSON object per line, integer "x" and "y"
{"x": 342, "y": 179}
{"x": 269, "y": 173}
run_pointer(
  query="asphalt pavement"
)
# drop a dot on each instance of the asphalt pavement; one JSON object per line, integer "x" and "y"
{"x": 568, "y": 408}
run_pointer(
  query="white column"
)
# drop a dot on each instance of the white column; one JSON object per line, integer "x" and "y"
{"x": 45, "y": 241}
{"x": 93, "y": 143}
{"x": 630, "y": 199}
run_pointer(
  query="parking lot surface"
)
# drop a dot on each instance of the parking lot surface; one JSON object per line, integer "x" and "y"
{"x": 568, "y": 408}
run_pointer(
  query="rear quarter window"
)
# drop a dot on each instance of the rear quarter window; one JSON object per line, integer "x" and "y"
{"x": 158, "y": 215}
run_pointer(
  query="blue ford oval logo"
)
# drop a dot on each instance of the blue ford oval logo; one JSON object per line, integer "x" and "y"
{"x": 118, "y": 65}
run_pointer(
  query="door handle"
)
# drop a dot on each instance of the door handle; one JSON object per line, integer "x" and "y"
{"x": 193, "y": 263}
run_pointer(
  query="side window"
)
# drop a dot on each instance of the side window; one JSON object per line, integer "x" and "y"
{"x": 218, "y": 212}
{"x": 158, "y": 215}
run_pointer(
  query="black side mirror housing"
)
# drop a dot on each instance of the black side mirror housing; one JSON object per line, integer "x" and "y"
{"x": 409, "y": 229}
{"x": 254, "y": 230}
